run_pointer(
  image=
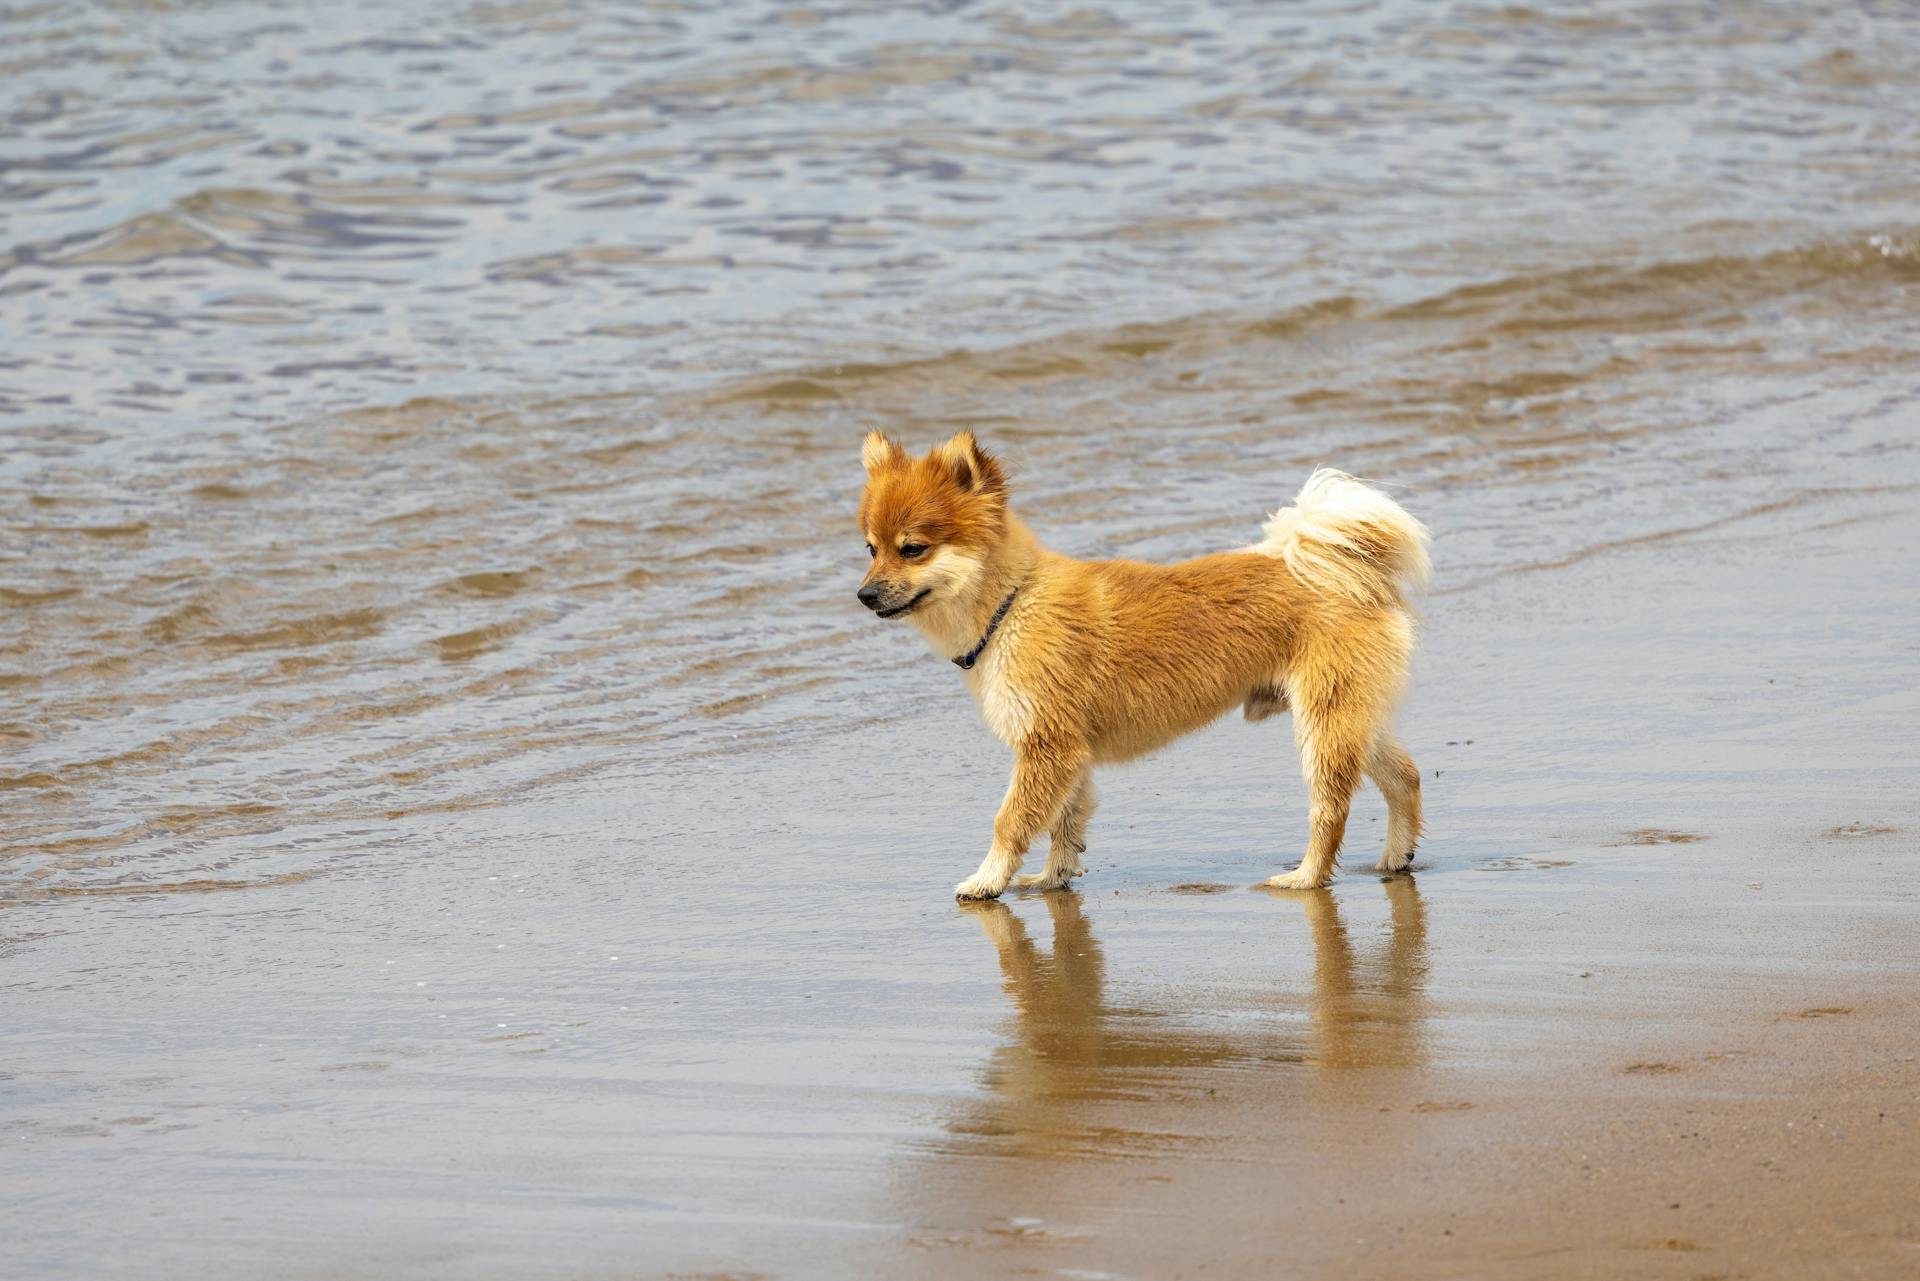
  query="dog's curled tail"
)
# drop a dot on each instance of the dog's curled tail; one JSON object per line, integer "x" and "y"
{"x": 1345, "y": 538}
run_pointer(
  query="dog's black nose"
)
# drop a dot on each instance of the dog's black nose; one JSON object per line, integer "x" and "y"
{"x": 870, "y": 596}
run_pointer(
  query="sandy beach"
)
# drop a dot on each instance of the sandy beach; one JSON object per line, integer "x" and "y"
{"x": 1647, "y": 1006}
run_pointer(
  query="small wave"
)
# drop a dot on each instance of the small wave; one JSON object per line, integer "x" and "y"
{"x": 297, "y": 633}
{"x": 1603, "y": 297}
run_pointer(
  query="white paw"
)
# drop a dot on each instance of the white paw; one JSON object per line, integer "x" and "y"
{"x": 1048, "y": 880}
{"x": 1394, "y": 862}
{"x": 977, "y": 886}
{"x": 1297, "y": 879}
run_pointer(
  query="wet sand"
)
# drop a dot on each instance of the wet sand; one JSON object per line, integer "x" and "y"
{"x": 1648, "y": 1010}
{"x": 1647, "y": 1006}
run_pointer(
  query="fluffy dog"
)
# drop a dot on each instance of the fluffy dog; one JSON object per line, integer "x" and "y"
{"x": 1081, "y": 663}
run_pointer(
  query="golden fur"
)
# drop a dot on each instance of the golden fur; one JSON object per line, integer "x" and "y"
{"x": 1103, "y": 661}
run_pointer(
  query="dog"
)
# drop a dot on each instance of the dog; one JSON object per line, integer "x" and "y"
{"x": 1081, "y": 663}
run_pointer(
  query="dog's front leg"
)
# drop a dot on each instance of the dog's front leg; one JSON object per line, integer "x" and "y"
{"x": 1046, "y": 769}
{"x": 1069, "y": 836}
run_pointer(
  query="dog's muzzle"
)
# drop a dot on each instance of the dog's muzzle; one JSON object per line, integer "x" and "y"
{"x": 887, "y": 603}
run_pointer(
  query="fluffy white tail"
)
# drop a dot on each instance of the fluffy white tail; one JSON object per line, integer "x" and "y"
{"x": 1348, "y": 539}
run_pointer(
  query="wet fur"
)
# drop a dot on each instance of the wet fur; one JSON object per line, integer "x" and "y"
{"x": 1102, "y": 661}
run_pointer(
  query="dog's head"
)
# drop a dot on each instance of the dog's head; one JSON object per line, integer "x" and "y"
{"x": 929, "y": 523}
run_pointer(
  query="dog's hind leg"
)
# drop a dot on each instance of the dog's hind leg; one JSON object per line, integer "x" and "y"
{"x": 1398, "y": 779}
{"x": 1333, "y": 723}
{"x": 1069, "y": 840}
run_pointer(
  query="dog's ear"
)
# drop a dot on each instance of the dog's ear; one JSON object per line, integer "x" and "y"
{"x": 878, "y": 452}
{"x": 972, "y": 468}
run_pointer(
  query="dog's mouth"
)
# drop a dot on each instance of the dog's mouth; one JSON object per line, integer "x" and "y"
{"x": 907, "y": 608}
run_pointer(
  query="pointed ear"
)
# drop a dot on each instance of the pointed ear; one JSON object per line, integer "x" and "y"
{"x": 878, "y": 452}
{"x": 973, "y": 469}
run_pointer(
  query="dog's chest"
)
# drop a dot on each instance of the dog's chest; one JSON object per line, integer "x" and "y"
{"x": 1007, "y": 711}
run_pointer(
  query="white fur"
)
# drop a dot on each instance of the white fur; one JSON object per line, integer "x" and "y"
{"x": 1004, "y": 706}
{"x": 946, "y": 618}
{"x": 1349, "y": 539}
{"x": 951, "y": 630}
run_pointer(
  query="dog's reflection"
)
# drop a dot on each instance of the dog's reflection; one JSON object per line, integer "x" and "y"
{"x": 1370, "y": 1013}
{"x": 1078, "y": 1065}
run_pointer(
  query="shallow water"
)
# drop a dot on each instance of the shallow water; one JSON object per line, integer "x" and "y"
{"x": 459, "y": 820}
{"x": 220, "y": 215}
{"x": 409, "y": 412}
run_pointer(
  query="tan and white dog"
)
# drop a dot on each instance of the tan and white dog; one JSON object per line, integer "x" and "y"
{"x": 1081, "y": 663}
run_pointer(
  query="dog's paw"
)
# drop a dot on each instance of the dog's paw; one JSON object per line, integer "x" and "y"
{"x": 1297, "y": 879}
{"x": 978, "y": 887}
{"x": 1047, "y": 880}
{"x": 1390, "y": 863}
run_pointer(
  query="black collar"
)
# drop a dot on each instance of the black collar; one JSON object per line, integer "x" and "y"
{"x": 966, "y": 661}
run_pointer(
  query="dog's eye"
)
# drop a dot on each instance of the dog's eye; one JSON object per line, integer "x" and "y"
{"x": 870, "y": 550}
{"x": 911, "y": 550}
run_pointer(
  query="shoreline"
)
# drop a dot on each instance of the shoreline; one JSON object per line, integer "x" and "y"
{"x": 1644, "y": 936}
